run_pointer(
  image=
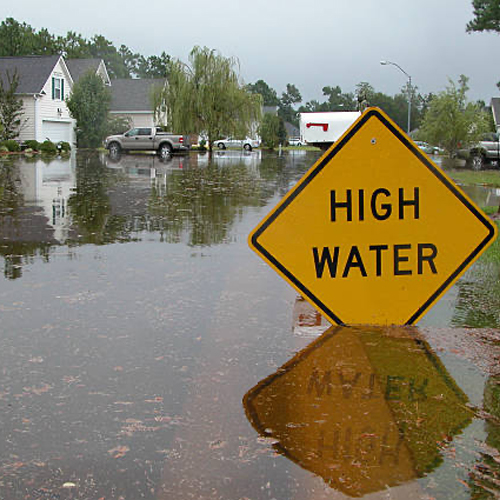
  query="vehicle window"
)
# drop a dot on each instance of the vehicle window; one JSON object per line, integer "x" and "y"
{"x": 131, "y": 133}
{"x": 144, "y": 131}
{"x": 490, "y": 137}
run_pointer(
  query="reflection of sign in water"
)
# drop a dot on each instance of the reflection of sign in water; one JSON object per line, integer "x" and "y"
{"x": 308, "y": 321}
{"x": 362, "y": 409}
{"x": 375, "y": 232}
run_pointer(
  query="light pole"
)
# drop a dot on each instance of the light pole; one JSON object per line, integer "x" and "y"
{"x": 386, "y": 63}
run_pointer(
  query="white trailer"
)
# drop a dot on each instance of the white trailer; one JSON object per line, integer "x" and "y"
{"x": 324, "y": 128}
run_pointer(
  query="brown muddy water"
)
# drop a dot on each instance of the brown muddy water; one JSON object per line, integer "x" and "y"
{"x": 147, "y": 353}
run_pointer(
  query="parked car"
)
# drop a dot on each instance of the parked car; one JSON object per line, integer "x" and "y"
{"x": 247, "y": 144}
{"x": 427, "y": 148}
{"x": 294, "y": 141}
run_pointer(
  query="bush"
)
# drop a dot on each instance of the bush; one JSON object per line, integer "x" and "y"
{"x": 64, "y": 146}
{"x": 48, "y": 147}
{"x": 3, "y": 149}
{"x": 32, "y": 144}
{"x": 11, "y": 145}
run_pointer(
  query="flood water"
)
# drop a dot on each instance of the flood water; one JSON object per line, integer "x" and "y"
{"x": 147, "y": 353}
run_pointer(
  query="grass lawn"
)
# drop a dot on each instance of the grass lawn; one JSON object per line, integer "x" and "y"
{"x": 483, "y": 177}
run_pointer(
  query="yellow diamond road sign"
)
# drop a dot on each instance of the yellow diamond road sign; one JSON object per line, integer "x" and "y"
{"x": 375, "y": 232}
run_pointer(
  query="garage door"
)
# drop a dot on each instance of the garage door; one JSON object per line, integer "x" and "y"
{"x": 56, "y": 131}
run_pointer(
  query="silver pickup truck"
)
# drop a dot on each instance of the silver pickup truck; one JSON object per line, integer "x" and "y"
{"x": 487, "y": 150}
{"x": 147, "y": 139}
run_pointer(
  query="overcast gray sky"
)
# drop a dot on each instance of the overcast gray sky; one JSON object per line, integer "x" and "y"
{"x": 311, "y": 43}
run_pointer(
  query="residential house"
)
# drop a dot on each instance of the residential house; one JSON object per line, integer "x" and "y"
{"x": 132, "y": 99}
{"x": 79, "y": 67}
{"x": 44, "y": 85}
{"x": 292, "y": 132}
{"x": 269, "y": 110}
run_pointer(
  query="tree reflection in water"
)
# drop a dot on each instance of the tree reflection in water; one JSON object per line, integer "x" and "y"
{"x": 188, "y": 200}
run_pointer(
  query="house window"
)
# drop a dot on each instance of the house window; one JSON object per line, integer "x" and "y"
{"x": 57, "y": 88}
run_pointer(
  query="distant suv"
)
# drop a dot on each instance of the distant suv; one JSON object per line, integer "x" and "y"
{"x": 147, "y": 139}
{"x": 487, "y": 150}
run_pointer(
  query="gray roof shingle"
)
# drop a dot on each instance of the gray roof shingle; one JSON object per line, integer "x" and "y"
{"x": 78, "y": 67}
{"x": 133, "y": 95}
{"x": 33, "y": 71}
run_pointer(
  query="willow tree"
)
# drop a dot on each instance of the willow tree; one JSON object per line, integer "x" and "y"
{"x": 207, "y": 97}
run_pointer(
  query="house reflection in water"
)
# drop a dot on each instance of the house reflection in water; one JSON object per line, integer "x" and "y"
{"x": 362, "y": 408}
{"x": 48, "y": 186}
{"x": 33, "y": 209}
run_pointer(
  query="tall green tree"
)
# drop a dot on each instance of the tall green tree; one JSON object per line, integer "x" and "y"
{"x": 337, "y": 100}
{"x": 102, "y": 48}
{"x": 288, "y": 98}
{"x": 45, "y": 43}
{"x": 11, "y": 107}
{"x": 207, "y": 97}
{"x": 20, "y": 39}
{"x": 154, "y": 66}
{"x": 486, "y": 16}
{"x": 269, "y": 95}
{"x": 16, "y": 39}
{"x": 364, "y": 95}
{"x": 89, "y": 106}
{"x": 130, "y": 59}
{"x": 73, "y": 46}
{"x": 272, "y": 131}
{"x": 452, "y": 122}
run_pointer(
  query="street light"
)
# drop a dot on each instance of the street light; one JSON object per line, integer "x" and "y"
{"x": 386, "y": 63}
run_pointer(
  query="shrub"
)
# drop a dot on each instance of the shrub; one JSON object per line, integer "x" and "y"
{"x": 48, "y": 147}
{"x": 3, "y": 149}
{"x": 11, "y": 145}
{"x": 64, "y": 146}
{"x": 32, "y": 144}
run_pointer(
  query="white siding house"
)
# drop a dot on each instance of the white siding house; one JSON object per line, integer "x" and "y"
{"x": 131, "y": 99}
{"x": 44, "y": 85}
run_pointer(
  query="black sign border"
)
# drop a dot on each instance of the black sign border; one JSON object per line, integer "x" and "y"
{"x": 304, "y": 182}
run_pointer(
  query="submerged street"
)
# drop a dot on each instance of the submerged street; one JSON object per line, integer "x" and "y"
{"x": 147, "y": 352}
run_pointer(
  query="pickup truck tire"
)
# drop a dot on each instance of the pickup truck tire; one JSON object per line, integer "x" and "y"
{"x": 247, "y": 147}
{"x": 165, "y": 150}
{"x": 114, "y": 149}
{"x": 477, "y": 161}
{"x": 221, "y": 145}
